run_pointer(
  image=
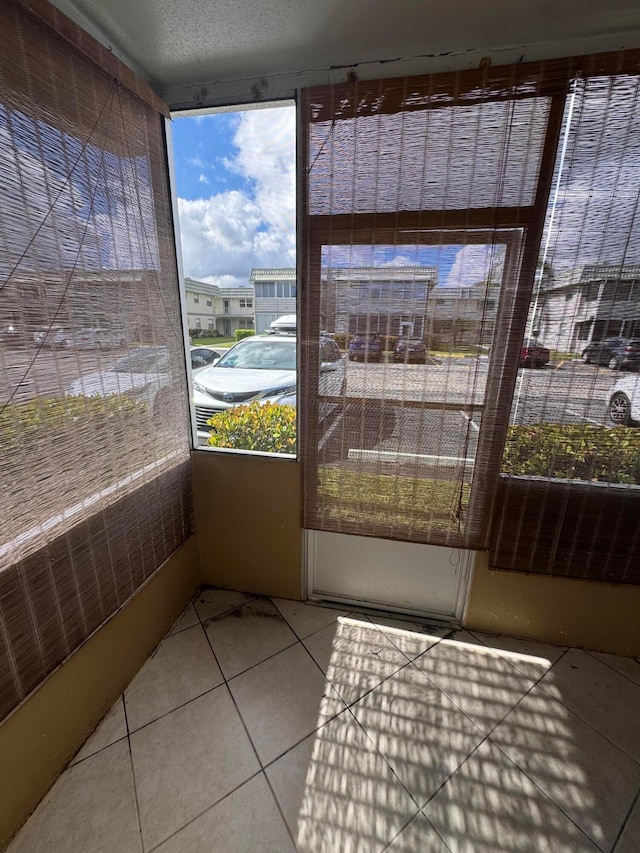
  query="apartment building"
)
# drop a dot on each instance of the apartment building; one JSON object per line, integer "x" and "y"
{"x": 219, "y": 310}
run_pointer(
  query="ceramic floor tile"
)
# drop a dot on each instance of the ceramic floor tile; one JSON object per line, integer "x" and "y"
{"x": 188, "y": 760}
{"x": 629, "y": 841}
{"x": 531, "y": 658}
{"x": 112, "y": 728}
{"x": 287, "y": 777}
{"x": 181, "y": 668}
{"x": 490, "y": 806}
{"x": 246, "y": 820}
{"x": 589, "y": 778}
{"x": 306, "y": 619}
{"x": 188, "y": 619}
{"x": 606, "y": 700}
{"x": 282, "y": 700}
{"x": 476, "y": 679}
{"x": 421, "y": 734}
{"x": 338, "y": 793}
{"x": 629, "y": 667}
{"x": 90, "y": 809}
{"x": 211, "y": 601}
{"x": 412, "y": 638}
{"x": 418, "y": 837}
{"x": 247, "y": 635}
{"x": 355, "y": 656}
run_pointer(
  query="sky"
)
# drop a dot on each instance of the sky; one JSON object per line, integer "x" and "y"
{"x": 235, "y": 175}
{"x": 235, "y": 179}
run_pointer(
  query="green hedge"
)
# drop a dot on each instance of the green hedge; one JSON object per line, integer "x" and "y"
{"x": 266, "y": 427}
{"x": 239, "y": 334}
{"x": 46, "y": 416}
{"x": 580, "y": 452}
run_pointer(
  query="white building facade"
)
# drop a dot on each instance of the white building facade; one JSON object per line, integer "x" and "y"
{"x": 218, "y": 310}
{"x": 275, "y": 291}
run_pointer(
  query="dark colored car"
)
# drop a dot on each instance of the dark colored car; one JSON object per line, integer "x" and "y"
{"x": 365, "y": 347}
{"x": 616, "y": 353}
{"x": 534, "y": 355}
{"x": 410, "y": 349}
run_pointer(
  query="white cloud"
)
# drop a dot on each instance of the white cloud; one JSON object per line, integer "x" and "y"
{"x": 475, "y": 263}
{"x": 203, "y": 179}
{"x": 227, "y": 234}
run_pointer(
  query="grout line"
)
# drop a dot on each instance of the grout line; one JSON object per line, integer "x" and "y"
{"x": 133, "y": 774}
{"x": 546, "y": 795}
{"x": 97, "y": 752}
{"x": 489, "y": 732}
{"x": 278, "y": 806}
{"x": 583, "y": 719}
{"x": 636, "y": 799}
{"x": 204, "y": 811}
{"x": 612, "y": 668}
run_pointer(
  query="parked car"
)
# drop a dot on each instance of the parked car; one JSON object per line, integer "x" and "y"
{"x": 142, "y": 373}
{"x": 624, "y": 402}
{"x": 262, "y": 367}
{"x": 54, "y": 337}
{"x": 616, "y": 353}
{"x": 410, "y": 349}
{"x": 98, "y": 338}
{"x": 365, "y": 347}
{"x": 11, "y": 334}
{"x": 534, "y": 354}
{"x": 202, "y": 356}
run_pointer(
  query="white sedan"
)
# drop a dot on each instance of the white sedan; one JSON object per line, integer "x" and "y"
{"x": 624, "y": 401}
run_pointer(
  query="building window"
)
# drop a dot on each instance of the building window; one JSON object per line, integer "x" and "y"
{"x": 226, "y": 306}
{"x": 198, "y": 323}
{"x": 210, "y": 324}
{"x": 209, "y": 303}
{"x": 196, "y": 298}
{"x": 246, "y": 303}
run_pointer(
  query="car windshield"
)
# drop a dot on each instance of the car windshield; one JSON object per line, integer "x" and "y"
{"x": 153, "y": 361}
{"x": 261, "y": 354}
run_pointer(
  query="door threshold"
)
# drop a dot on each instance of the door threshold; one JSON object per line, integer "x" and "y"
{"x": 373, "y": 609}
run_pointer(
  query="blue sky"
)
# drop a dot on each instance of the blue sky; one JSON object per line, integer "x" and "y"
{"x": 201, "y": 146}
{"x": 235, "y": 177}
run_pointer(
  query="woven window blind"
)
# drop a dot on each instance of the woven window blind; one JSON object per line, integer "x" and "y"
{"x": 94, "y": 467}
{"x": 434, "y": 209}
{"x": 569, "y": 502}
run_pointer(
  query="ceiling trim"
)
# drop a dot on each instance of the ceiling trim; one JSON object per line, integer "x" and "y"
{"x": 256, "y": 90}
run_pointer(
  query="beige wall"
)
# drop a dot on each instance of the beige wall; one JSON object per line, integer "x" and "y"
{"x": 600, "y": 616}
{"x": 248, "y": 518}
{"x": 42, "y": 735}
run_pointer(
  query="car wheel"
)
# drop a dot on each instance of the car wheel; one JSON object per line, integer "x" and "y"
{"x": 620, "y": 409}
{"x": 585, "y": 358}
{"x": 614, "y": 363}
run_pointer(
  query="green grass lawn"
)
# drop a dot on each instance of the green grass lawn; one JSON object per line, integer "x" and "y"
{"x": 212, "y": 342}
{"x": 417, "y": 503}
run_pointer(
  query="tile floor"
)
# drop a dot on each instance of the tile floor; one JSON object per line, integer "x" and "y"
{"x": 268, "y": 725}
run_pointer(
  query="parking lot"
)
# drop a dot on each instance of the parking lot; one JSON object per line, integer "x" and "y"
{"x": 407, "y": 428}
{"x": 51, "y": 372}
{"x": 412, "y": 425}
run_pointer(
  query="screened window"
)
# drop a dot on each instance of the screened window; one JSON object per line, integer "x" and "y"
{"x": 515, "y": 184}
{"x": 94, "y": 471}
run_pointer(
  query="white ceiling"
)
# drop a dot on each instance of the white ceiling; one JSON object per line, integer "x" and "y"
{"x": 189, "y": 49}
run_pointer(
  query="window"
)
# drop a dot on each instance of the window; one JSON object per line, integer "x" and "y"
{"x": 198, "y": 323}
{"x": 248, "y": 157}
{"x": 196, "y": 298}
{"x": 210, "y": 324}
{"x": 96, "y": 358}
{"x": 209, "y": 303}
{"x": 542, "y": 159}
